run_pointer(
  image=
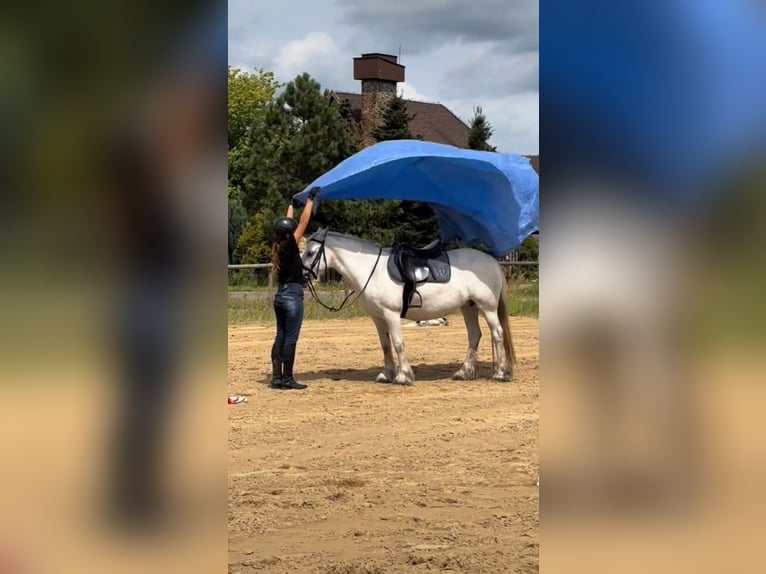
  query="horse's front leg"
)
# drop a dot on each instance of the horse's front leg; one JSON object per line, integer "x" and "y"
{"x": 404, "y": 375}
{"x": 389, "y": 369}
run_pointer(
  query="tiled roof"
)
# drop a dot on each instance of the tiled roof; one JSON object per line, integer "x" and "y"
{"x": 433, "y": 122}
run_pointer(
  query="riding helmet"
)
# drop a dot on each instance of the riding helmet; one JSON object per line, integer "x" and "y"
{"x": 284, "y": 225}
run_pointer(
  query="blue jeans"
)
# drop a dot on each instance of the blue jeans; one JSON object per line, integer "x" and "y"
{"x": 288, "y": 307}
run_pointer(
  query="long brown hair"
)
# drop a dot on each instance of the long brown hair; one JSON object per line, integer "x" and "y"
{"x": 276, "y": 248}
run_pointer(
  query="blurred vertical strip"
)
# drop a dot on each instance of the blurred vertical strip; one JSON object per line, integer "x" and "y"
{"x": 653, "y": 133}
{"x": 113, "y": 249}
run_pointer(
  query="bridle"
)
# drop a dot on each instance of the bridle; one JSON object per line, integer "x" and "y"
{"x": 321, "y": 256}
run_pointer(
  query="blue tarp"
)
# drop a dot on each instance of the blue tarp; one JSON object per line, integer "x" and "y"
{"x": 478, "y": 197}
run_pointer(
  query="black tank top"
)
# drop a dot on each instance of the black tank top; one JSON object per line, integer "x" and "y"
{"x": 290, "y": 266}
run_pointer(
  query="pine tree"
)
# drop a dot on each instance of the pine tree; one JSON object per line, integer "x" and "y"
{"x": 395, "y": 124}
{"x": 480, "y": 132}
{"x": 410, "y": 221}
{"x": 355, "y": 128}
{"x": 237, "y": 221}
{"x": 346, "y": 111}
{"x": 302, "y": 136}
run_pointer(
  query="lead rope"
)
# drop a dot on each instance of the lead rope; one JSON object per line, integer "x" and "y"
{"x": 343, "y": 305}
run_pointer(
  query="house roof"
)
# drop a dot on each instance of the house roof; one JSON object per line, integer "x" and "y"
{"x": 535, "y": 161}
{"x": 433, "y": 122}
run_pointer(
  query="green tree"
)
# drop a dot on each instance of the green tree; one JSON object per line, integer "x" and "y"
{"x": 346, "y": 111}
{"x": 354, "y": 127}
{"x": 300, "y": 136}
{"x": 237, "y": 221}
{"x": 529, "y": 250}
{"x": 405, "y": 221}
{"x": 395, "y": 124}
{"x": 254, "y": 243}
{"x": 374, "y": 220}
{"x": 248, "y": 96}
{"x": 480, "y": 132}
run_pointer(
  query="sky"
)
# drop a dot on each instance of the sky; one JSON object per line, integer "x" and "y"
{"x": 460, "y": 53}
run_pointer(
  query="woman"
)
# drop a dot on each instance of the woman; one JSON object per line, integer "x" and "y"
{"x": 288, "y": 302}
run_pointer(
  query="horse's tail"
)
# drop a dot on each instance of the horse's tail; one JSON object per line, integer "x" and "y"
{"x": 502, "y": 312}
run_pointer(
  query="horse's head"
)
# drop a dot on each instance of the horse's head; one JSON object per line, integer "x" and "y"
{"x": 314, "y": 257}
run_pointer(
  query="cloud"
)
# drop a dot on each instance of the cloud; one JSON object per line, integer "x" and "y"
{"x": 461, "y": 54}
{"x": 482, "y": 69}
{"x": 409, "y": 92}
{"x": 513, "y": 117}
{"x": 248, "y": 50}
{"x": 425, "y": 25}
{"x": 316, "y": 53}
{"x": 248, "y": 54}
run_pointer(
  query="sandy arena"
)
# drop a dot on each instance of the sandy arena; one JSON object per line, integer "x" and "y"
{"x": 356, "y": 477}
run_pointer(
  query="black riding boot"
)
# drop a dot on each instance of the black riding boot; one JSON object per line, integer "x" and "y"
{"x": 288, "y": 358}
{"x": 276, "y": 368}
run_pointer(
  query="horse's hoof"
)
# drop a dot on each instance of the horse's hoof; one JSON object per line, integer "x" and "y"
{"x": 382, "y": 378}
{"x": 500, "y": 378}
{"x": 463, "y": 374}
{"x": 401, "y": 379}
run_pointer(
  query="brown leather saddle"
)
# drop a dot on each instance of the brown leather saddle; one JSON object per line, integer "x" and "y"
{"x": 414, "y": 266}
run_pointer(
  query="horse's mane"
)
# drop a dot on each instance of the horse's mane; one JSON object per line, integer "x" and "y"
{"x": 357, "y": 240}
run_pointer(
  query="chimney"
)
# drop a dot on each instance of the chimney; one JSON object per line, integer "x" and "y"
{"x": 379, "y": 74}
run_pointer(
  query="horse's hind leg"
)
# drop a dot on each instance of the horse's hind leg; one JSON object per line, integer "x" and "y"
{"x": 468, "y": 370}
{"x": 404, "y": 375}
{"x": 389, "y": 369}
{"x": 501, "y": 361}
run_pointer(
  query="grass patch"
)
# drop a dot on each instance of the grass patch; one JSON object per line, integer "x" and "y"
{"x": 523, "y": 301}
{"x": 244, "y": 287}
{"x": 264, "y": 287}
{"x": 259, "y": 310}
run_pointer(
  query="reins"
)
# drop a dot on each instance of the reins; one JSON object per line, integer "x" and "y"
{"x": 345, "y": 303}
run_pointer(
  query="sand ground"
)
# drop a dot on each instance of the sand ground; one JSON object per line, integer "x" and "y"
{"x": 352, "y": 476}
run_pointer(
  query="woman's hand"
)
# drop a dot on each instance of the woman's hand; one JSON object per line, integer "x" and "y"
{"x": 306, "y": 215}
